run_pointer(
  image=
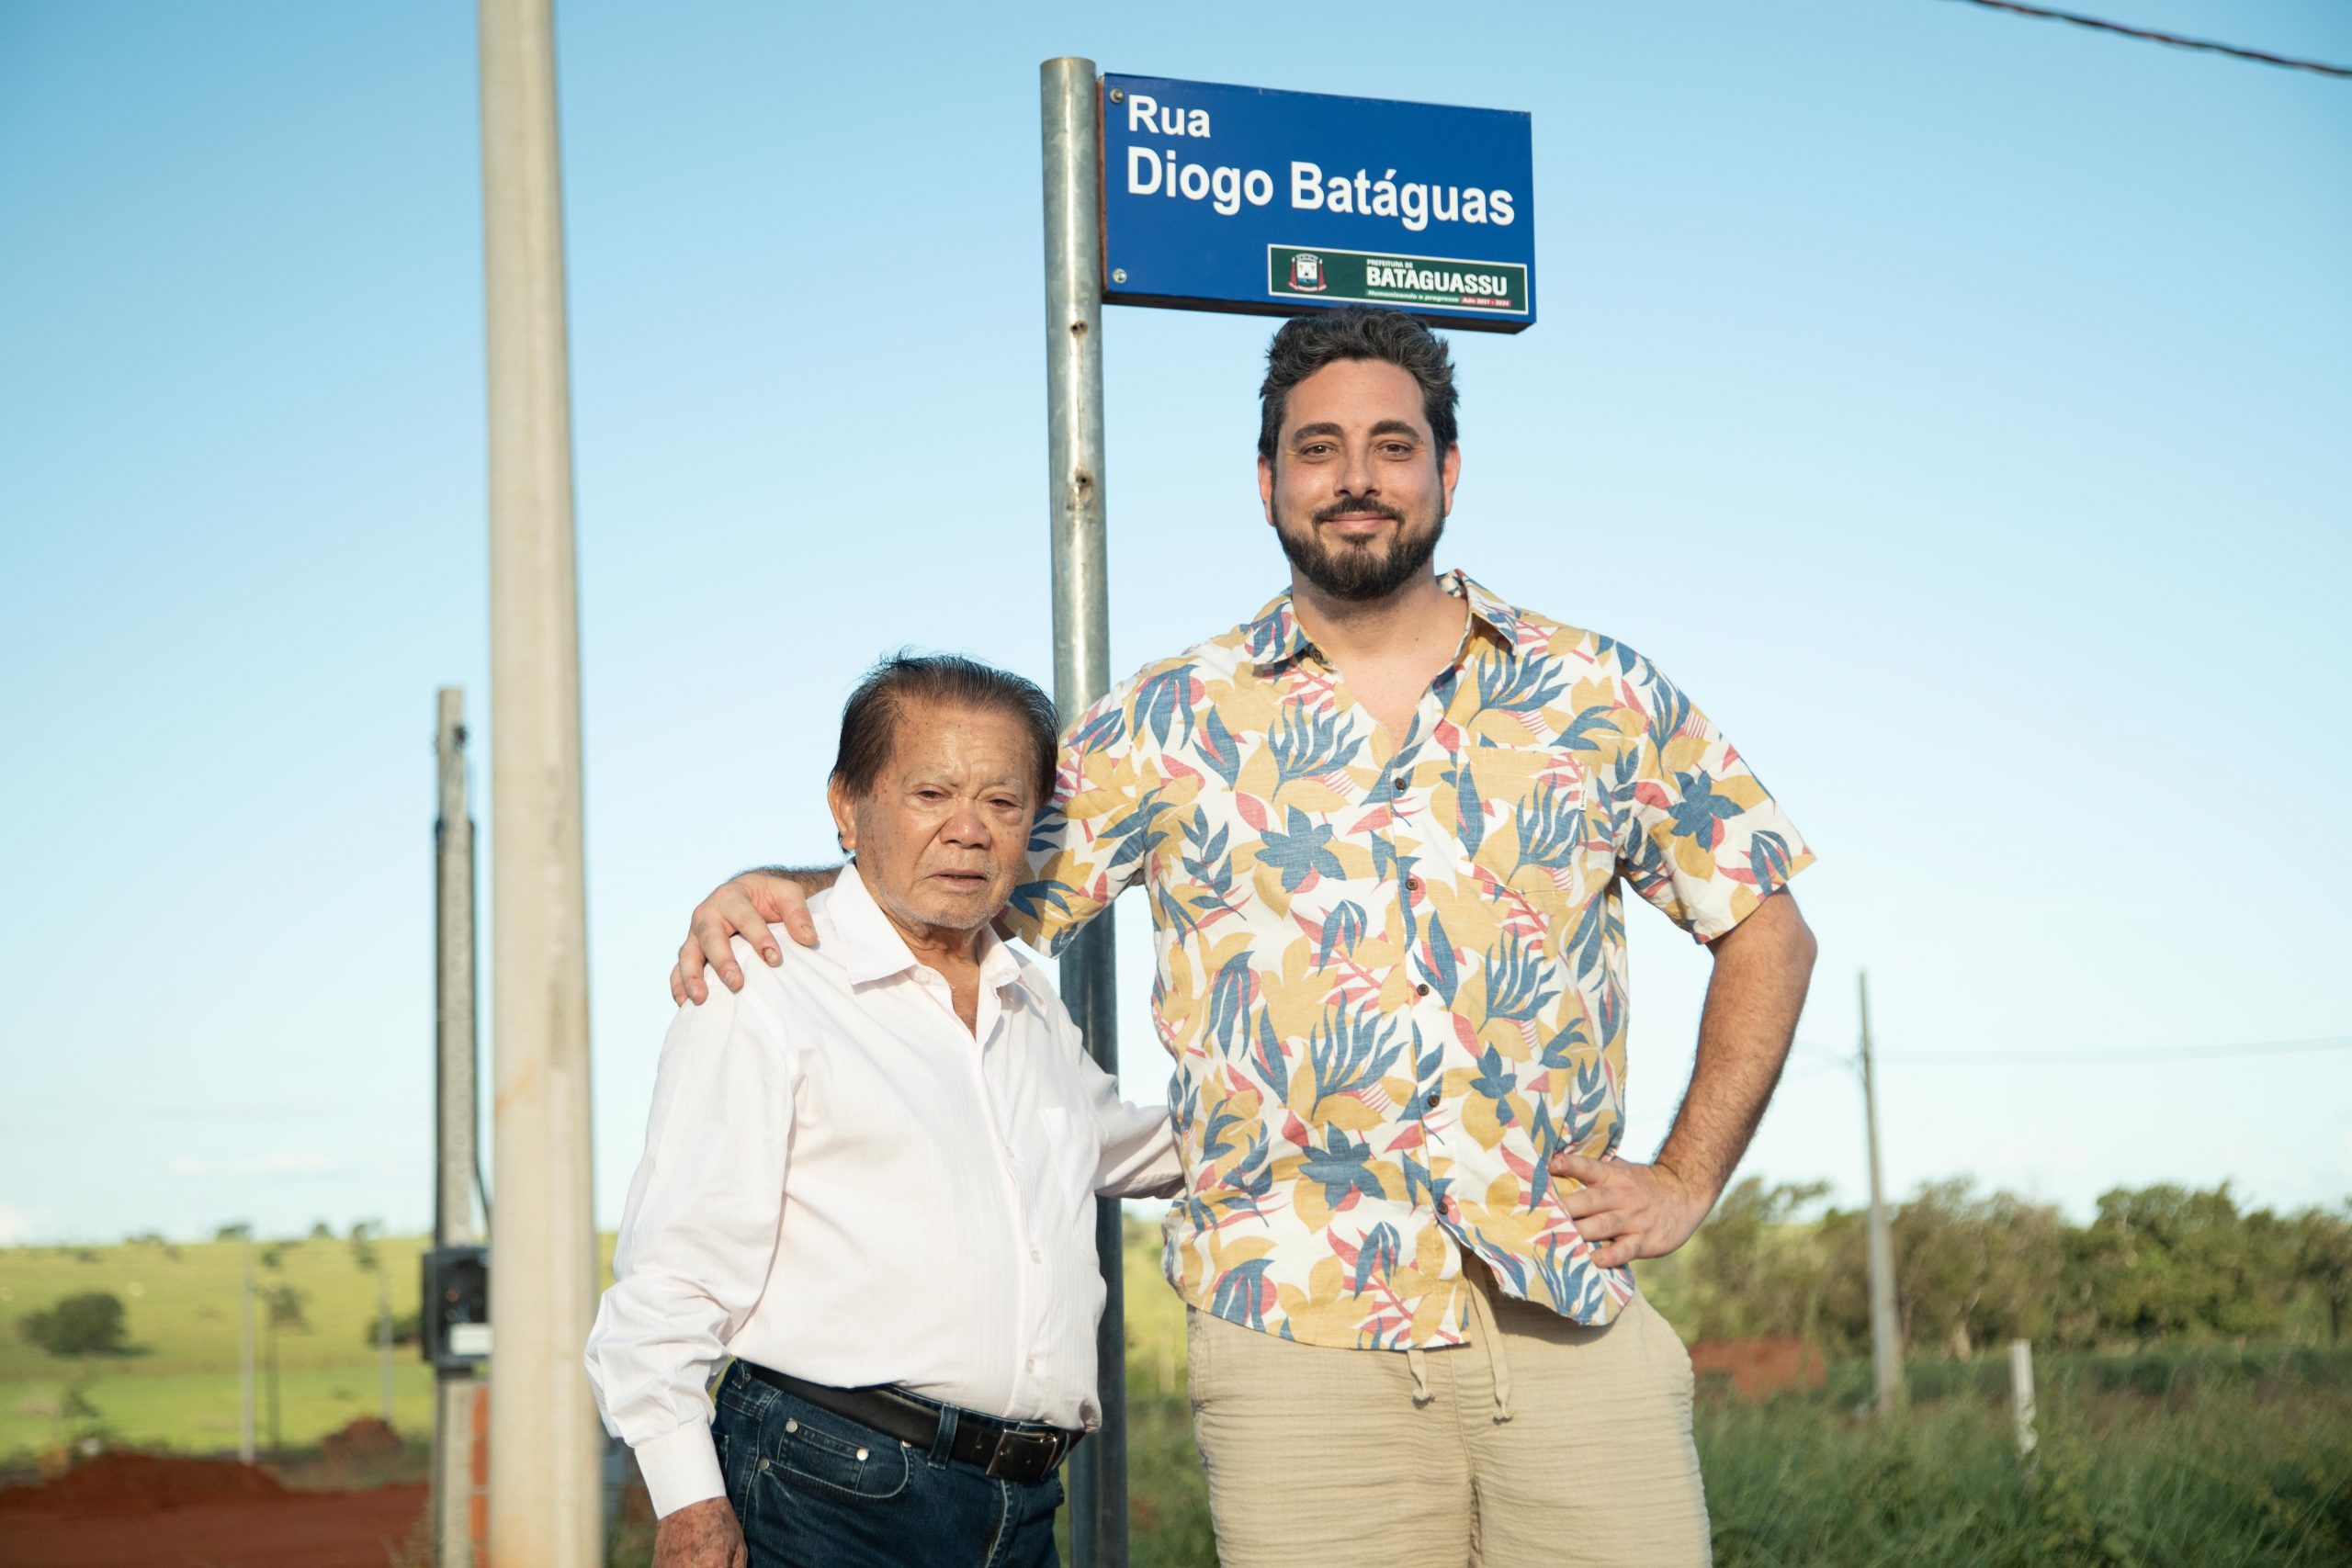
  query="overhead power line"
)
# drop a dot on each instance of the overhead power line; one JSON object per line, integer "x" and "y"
{"x": 2175, "y": 39}
{"x": 2146, "y": 1054}
{"x": 1826, "y": 1057}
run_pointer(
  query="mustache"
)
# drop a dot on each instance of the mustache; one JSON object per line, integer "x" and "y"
{"x": 1348, "y": 504}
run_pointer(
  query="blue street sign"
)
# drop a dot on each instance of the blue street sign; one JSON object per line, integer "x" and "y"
{"x": 1237, "y": 198}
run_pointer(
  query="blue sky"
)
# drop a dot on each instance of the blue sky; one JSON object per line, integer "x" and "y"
{"x": 1954, "y": 404}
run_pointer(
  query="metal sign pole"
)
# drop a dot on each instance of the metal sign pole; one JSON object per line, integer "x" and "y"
{"x": 1068, "y": 105}
{"x": 454, "y": 1391}
{"x": 545, "y": 1453}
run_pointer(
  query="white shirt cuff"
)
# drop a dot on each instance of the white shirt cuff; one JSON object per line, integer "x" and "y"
{"x": 680, "y": 1467}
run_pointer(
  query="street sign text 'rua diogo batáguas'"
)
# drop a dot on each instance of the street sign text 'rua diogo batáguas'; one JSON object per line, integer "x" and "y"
{"x": 1217, "y": 198}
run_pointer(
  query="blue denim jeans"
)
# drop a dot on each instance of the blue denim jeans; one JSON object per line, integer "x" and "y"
{"x": 816, "y": 1490}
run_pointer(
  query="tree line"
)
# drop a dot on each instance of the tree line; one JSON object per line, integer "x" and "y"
{"x": 2154, "y": 1265}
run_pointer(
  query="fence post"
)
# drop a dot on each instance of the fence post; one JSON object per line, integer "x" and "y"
{"x": 1886, "y": 1331}
{"x": 2021, "y": 1395}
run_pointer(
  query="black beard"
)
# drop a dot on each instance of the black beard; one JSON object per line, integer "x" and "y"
{"x": 1358, "y": 575}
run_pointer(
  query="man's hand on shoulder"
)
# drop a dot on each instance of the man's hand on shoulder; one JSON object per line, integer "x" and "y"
{"x": 1628, "y": 1210}
{"x": 700, "y": 1535}
{"x": 744, "y": 905}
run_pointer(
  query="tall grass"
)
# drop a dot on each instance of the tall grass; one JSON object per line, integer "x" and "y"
{"x": 2244, "y": 1473}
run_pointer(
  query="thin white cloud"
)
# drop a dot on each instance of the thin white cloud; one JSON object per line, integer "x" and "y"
{"x": 284, "y": 1162}
{"x": 19, "y": 1224}
{"x": 307, "y": 1162}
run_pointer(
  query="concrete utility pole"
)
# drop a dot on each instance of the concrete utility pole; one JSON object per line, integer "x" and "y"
{"x": 1886, "y": 1337}
{"x": 384, "y": 1339}
{"x": 1069, "y": 107}
{"x": 454, "y": 1437}
{"x": 545, "y": 1447}
{"x": 245, "y": 1366}
{"x": 277, "y": 1314}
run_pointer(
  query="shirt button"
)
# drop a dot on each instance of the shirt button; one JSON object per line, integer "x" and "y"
{"x": 1030, "y": 1365}
{"x": 1035, "y": 1256}
{"x": 1403, "y": 782}
{"x": 1433, "y": 1100}
{"x": 1421, "y": 990}
{"x": 1412, "y": 885}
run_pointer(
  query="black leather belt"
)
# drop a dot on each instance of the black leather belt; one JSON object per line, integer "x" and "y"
{"x": 1025, "y": 1451}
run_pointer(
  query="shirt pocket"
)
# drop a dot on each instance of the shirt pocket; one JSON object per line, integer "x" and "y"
{"x": 1068, "y": 1155}
{"x": 1519, "y": 817}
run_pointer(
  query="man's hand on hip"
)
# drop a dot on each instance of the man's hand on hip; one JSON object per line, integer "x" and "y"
{"x": 1628, "y": 1210}
{"x": 743, "y": 906}
{"x": 700, "y": 1535}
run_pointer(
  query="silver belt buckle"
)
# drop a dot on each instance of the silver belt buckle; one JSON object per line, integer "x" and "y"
{"x": 1011, "y": 1446}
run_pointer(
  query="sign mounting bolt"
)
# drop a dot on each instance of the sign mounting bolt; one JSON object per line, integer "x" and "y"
{"x": 1118, "y": 95}
{"x": 1118, "y": 274}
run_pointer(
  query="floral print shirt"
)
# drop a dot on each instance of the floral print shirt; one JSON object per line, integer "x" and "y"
{"x": 1392, "y": 970}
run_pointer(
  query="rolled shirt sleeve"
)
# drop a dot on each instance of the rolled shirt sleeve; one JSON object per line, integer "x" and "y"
{"x": 1086, "y": 847}
{"x": 1138, "y": 1155}
{"x": 697, "y": 1237}
{"x": 1704, "y": 841}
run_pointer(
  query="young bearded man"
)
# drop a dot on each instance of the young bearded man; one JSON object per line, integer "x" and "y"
{"x": 870, "y": 1178}
{"x": 1385, "y": 825}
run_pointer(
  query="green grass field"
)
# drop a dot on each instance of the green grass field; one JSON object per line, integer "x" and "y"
{"x": 177, "y": 1386}
{"x": 2197, "y": 1458}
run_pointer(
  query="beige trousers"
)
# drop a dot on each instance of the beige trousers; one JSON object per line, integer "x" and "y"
{"x": 1540, "y": 1442}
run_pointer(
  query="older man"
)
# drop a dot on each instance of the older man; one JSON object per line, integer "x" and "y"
{"x": 1387, "y": 826}
{"x": 869, "y": 1177}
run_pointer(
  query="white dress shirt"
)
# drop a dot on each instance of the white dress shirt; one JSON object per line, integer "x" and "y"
{"x": 843, "y": 1182}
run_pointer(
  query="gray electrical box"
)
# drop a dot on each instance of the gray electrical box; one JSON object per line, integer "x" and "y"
{"x": 457, "y": 1308}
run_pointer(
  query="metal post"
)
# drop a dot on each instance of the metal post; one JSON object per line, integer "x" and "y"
{"x": 455, "y": 1073}
{"x": 2021, "y": 1411}
{"x": 1886, "y": 1340}
{"x": 545, "y": 1447}
{"x": 245, "y": 1366}
{"x": 1068, "y": 106}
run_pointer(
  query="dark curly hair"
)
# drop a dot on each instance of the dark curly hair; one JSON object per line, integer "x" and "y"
{"x": 1306, "y": 343}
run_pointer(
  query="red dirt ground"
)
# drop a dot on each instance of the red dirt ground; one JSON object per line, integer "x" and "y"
{"x": 151, "y": 1511}
{"x": 1761, "y": 1367}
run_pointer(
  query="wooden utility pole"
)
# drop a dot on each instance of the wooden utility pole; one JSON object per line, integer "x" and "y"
{"x": 1886, "y": 1335}
{"x": 545, "y": 1448}
{"x": 456, "y": 1427}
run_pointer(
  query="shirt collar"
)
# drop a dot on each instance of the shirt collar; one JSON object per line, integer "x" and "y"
{"x": 869, "y": 947}
{"x": 1273, "y": 636}
{"x": 1487, "y": 608}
